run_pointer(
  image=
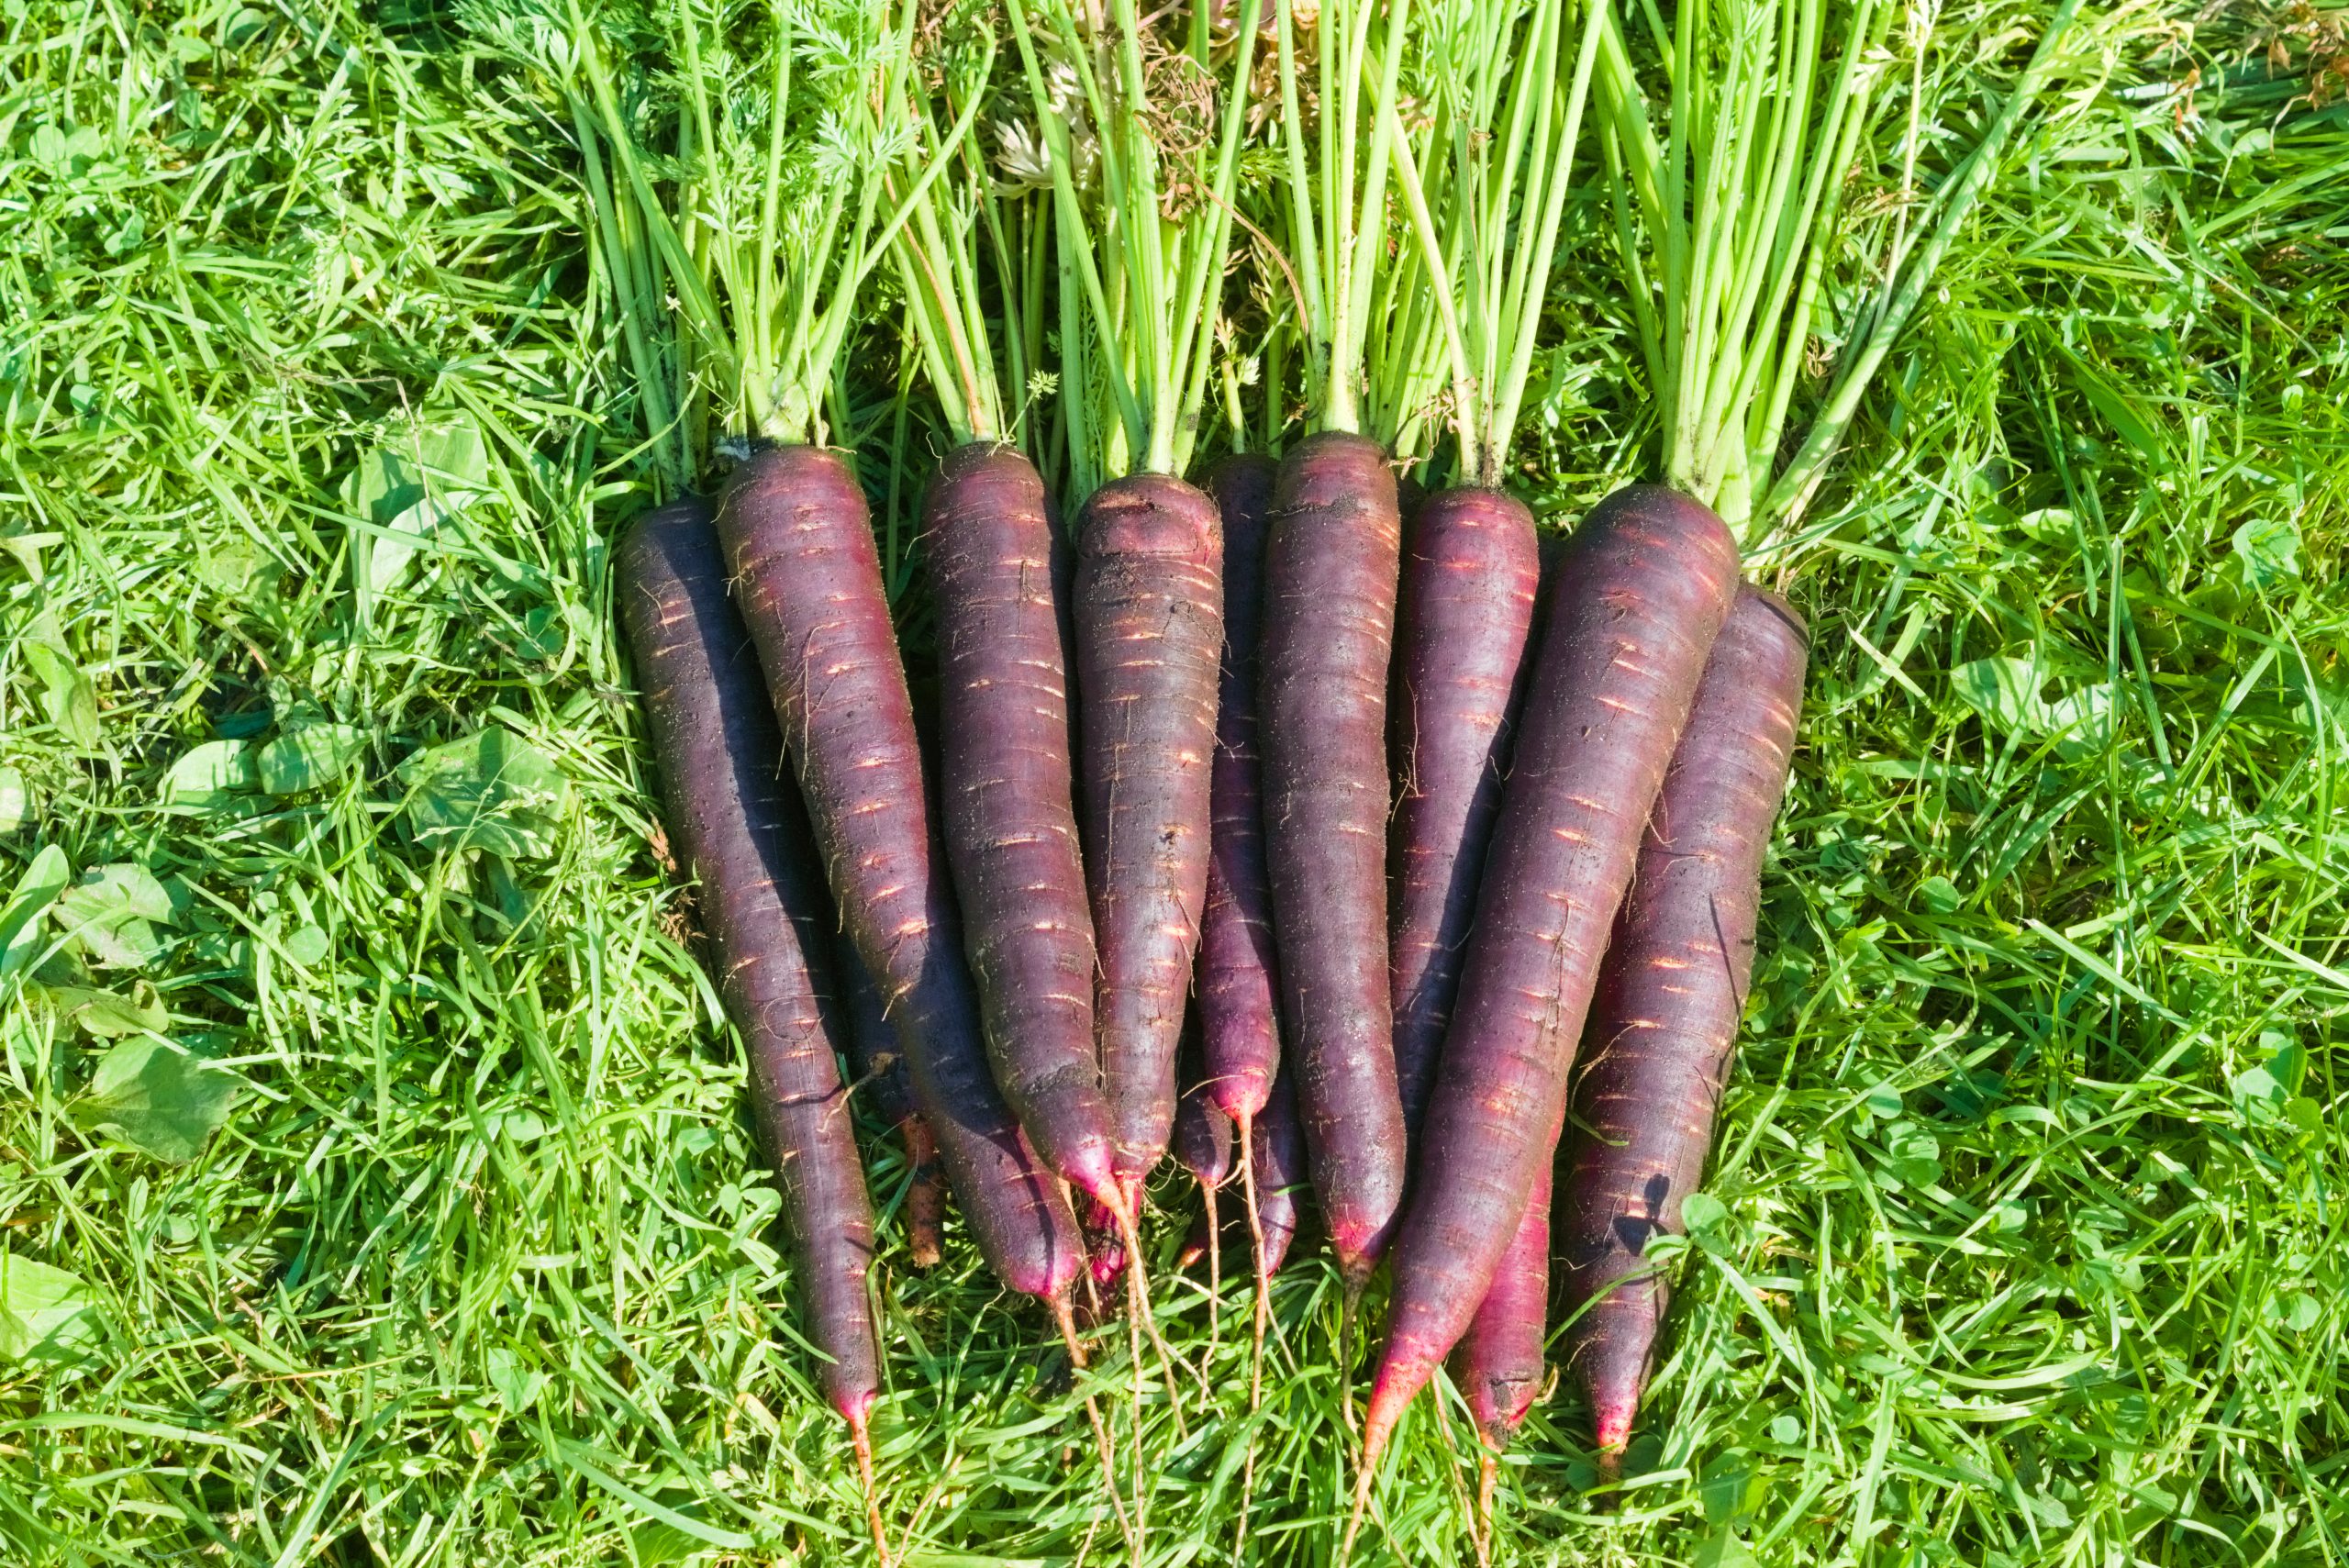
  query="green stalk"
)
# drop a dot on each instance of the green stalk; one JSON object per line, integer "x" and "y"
{"x": 1725, "y": 232}
{"x": 642, "y": 325}
{"x": 936, "y": 257}
{"x": 1512, "y": 134}
{"x": 1532, "y": 266}
{"x": 1307, "y": 239}
{"x": 771, "y": 201}
{"x": 1463, "y": 380}
{"x": 1339, "y": 225}
{"x": 1139, "y": 322}
{"x": 1795, "y": 487}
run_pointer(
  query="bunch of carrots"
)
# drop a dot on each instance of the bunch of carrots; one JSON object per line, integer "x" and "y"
{"x": 1273, "y": 793}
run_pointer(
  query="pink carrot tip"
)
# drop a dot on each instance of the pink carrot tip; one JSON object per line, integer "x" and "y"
{"x": 1358, "y": 1248}
{"x": 1398, "y": 1384}
{"x": 1092, "y": 1170}
{"x": 1049, "y": 1280}
{"x": 1243, "y": 1096}
{"x": 1613, "y": 1419}
{"x": 856, "y": 1409}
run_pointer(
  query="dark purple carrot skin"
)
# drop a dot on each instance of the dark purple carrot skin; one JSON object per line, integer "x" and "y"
{"x": 740, "y": 832}
{"x": 1471, "y": 568}
{"x": 1498, "y": 1363}
{"x": 1203, "y": 1134}
{"x": 1641, "y": 596}
{"x": 1328, "y": 628}
{"x": 1663, "y": 1027}
{"x": 808, "y": 576}
{"x": 1149, "y": 615}
{"x": 1064, "y": 558}
{"x": 1276, "y": 1144}
{"x": 1009, "y": 808}
{"x": 1239, "y": 969}
{"x": 877, "y": 1070}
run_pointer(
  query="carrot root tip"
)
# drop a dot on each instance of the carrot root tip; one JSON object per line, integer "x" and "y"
{"x": 860, "y": 1436}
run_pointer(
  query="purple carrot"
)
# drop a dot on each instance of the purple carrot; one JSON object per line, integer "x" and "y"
{"x": 1282, "y": 1184}
{"x": 879, "y": 1076}
{"x": 1149, "y": 614}
{"x": 1330, "y": 581}
{"x": 1663, "y": 1027}
{"x": 742, "y": 835}
{"x": 1238, "y": 973}
{"x": 1641, "y": 596}
{"x": 1470, "y": 570}
{"x": 1498, "y": 1362}
{"x": 808, "y": 579}
{"x": 1204, "y": 1142}
{"x": 1010, "y": 821}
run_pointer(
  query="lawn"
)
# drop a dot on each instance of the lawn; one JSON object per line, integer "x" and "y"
{"x": 374, "y": 1180}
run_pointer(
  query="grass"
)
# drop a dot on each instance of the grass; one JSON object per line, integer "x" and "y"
{"x": 2033, "y": 1189}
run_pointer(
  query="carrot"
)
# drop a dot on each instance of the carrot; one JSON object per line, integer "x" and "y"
{"x": 880, "y": 1074}
{"x": 1640, "y": 597}
{"x": 1148, "y": 613}
{"x": 808, "y": 578}
{"x": 1279, "y": 1175}
{"x": 1498, "y": 1363}
{"x": 1277, "y": 1162}
{"x": 1239, "y": 971}
{"x": 1010, "y": 824}
{"x": 741, "y": 834}
{"x": 1330, "y": 582}
{"x": 1664, "y": 1024}
{"x": 1470, "y": 570}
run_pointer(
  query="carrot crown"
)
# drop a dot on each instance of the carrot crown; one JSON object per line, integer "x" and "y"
{"x": 1139, "y": 133}
{"x": 1726, "y": 228}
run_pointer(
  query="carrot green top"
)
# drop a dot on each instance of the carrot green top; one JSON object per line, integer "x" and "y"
{"x": 1338, "y": 226}
{"x": 1726, "y": 227}
{"x": 742, "y": 181}
{"x": 1139, "y": 127}
{"x": 1501, "y": 86}
{"x": 963, "y": 228}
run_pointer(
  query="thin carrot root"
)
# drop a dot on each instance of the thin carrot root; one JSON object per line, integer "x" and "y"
{"x": 1362, "y": 1506}
{"x": 1489, "y": 1473}
{"x": 1611, "y": 1466}
{"x": 860, "y": 1437}
{"x": 1138, "y": 1296}
{"x": 925, "y": 1197}
{"x": 1101, "y": 1443}
{"x": 1092, "y": 1313}
{"x": 1264, "y": 1311}
{"x": 1136, "y": 1306}
{"x": 1215, "y": 1274}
